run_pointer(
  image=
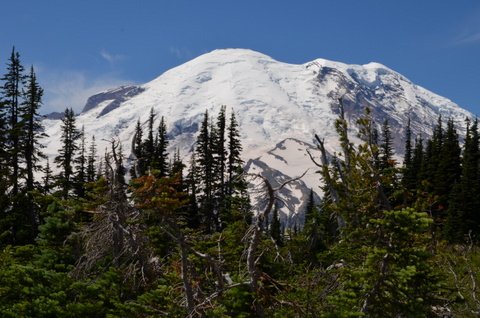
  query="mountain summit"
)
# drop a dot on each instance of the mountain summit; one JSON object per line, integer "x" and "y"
{"x": 279, "y": 107}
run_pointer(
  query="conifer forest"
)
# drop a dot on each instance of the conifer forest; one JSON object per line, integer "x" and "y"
{"x": 89, "y": 234}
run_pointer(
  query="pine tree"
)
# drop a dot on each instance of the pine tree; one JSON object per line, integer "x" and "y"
{"x": 80, "y": 177}
{"x": 138, "y": 167}
{"x": 234, "y": 160}
{"x": 448, "y": 172}
{"x": 65, "y": 159}
{"x": 386, "y": 147}
{"x": 464, "y": 204}
{"x": 205, "y": 166}
{"x": 408, "y": 179}
{"x": 161, "y": 154}
{"x": 275, "y": 227}
{"x": 193, "y": 215}
{"x": 149, "y": 144}
{"x": 221, "y": 151}
{"x": 47, "y": 178}
{"x": 14, "y": 80}
{"x": 33, "y": 129}
{"x": 30, "y": 123}
{"x": 91, "y": 161}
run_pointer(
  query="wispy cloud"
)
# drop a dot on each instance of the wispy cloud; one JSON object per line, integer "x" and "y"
{"x": 70, "y": 88}
{"x": 180, "y": 53}
{"x": 110, "y": 57}
{"x": 468, "y": 38}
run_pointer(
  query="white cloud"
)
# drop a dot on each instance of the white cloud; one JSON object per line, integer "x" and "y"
{"x": 71, "y": 88}
{"x": 111, "y": 58}
{"x": 468, "y": 38}
{"x": 180, "y": 53}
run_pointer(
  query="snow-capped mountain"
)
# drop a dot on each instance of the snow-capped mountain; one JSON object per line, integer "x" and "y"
{"x": 279, "y": 107}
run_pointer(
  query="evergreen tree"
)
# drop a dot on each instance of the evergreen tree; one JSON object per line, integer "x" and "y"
{"x": 14, "y": 80}
{"x": 81, "y": 166}
{"x": 30, "y": 122}
{"x": 91, "y": 161}
{"x": 149, "y": 144}
{"x": 275, "y": 227}
{"x": 234, "y": 160}
{"x": 65, "y": 158}
{"x": 33, "y": 129}
{"x": 138, "y": 167}
{"x": 161, "y": 154}
{"x": 47, "y": 178}
{"x": 409, "y": 177}
{"x": 386, "y": 147}
{"x": 205, "y": 166}
{"x": 193, "y": 214}
{"x": 448, "y": 172}
{"x": 221, "y": 151}
{"x": 464, "y": 204}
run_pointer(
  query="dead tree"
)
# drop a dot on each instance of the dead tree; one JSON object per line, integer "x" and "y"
{"x": 255, "y": 233}
{"x": 115, "y": 232}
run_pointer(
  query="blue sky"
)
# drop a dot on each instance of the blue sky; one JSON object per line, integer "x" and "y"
{"x": 81, "y": 47}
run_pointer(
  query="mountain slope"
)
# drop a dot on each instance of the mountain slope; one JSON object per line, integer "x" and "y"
{"x": 279, "y": 107}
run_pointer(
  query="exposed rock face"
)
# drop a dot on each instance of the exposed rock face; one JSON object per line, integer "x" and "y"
{"x": 116, "y": 97}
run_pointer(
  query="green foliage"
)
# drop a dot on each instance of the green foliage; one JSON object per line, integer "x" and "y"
{"x": 396, "y": 275}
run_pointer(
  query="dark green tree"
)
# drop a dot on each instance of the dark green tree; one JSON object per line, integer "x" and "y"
{"x": 221, "y": 151}
{"x": 66, "y": 156}
{"x": 33, "y": 129}
{"x": 14, "y": 80}
{"x": 234, "y": 160}
{"x": 205, "y": 175}
{"x": 464, "y": 204}
{"x": 91, "y": 161}
{"x": 149, "y": 143}
{"x": 161, "y": 154}
{"x": 275, "y": 227}
{"x": 32, "y": 132}
{"x": 80, "y": 161}
{"x": 139, "y": 165}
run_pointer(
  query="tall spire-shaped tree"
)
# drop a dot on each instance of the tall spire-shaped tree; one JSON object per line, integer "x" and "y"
{"x": 91, "y": 160}
{"x": 14, "y": 80}
{"x": 234, "y": 160}
{"x": 65, "y": 159}
{"x": 220, "y": 150}
{"x": 161, "y": 154}
{"x": 81, "y": 166}
{"x": 32, "y": 127}
{"x": 138, "y": 167}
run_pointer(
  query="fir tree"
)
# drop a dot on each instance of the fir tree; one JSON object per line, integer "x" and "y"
{"x": 149, "y": 144}
{"x": 221, "y": 151}
{"x": 234, "y": 160}
{"x": 31, "y": 152}
{"x": 138, "y": 167}
{"x": 161, "y": 154}
{"x": 33, "y": 129}
{"x": 205, "y": 166}
{"x": 65, "y": 159}
{"x": 81, "y": 166}
{"x": 448, "y": 171}
{"x": 275, "y": 227}
{"x": 193, "y": 215}
{"x": 91, "y": 161}
{"x": 464, "y": 204}
{"x": 14, "y": 80}
{"x": 386, "y": 147}
{"x": 47, "y": 178}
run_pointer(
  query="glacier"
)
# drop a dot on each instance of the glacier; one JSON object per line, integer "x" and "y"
{"x": 279, "y": 107}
